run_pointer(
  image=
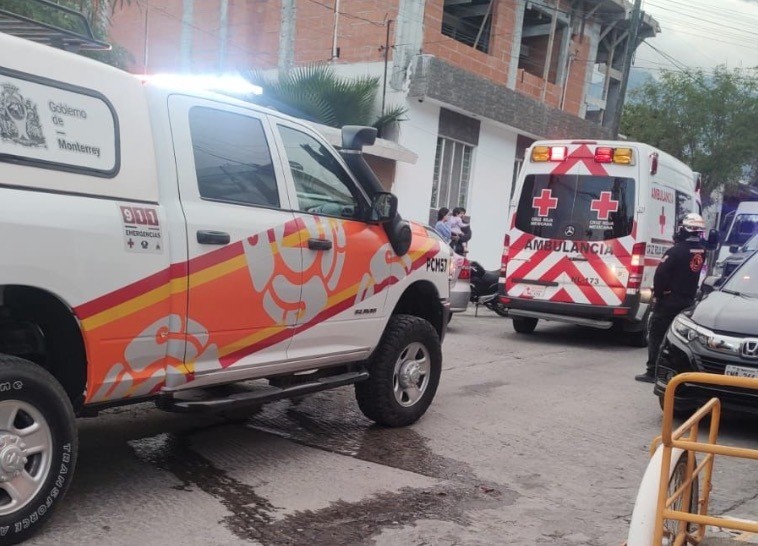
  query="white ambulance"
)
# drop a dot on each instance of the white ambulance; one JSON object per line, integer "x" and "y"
{"x": 589, "y": 223}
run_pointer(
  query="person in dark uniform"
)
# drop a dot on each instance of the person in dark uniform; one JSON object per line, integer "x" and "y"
{"x": 674, "y": 285}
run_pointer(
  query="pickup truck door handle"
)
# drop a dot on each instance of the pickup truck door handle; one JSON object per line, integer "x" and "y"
{"x": 319, "y": 244}
{"x": 209, "y": 237}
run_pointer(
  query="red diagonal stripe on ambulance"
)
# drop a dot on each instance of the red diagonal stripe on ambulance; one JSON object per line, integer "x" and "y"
{"x": 566, "y": 266}
{"x": 581, "y": 154}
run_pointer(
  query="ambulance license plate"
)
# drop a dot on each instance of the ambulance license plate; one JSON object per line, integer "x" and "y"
{"x": 533, "y": 291}
{"x": 740, "y": 371}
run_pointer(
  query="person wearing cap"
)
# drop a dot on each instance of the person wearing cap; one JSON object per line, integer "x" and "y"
{"x": 674, "y": 285}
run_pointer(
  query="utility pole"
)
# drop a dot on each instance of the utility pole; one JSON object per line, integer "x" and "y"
{"x": 386, "y": 60}
{"x": 629, "y": 53}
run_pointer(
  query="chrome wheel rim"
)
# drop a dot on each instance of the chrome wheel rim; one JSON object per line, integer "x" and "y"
{"x": 411, "y": 377}
{"x": 26, "y": 445}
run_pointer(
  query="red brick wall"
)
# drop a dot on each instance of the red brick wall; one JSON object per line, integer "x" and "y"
{"x": 361, "y": 32}
{"x": 252, "y": 38}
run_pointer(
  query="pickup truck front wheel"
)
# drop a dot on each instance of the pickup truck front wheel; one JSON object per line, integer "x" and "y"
{"x": 38, "y": 444}
{"x": 404, "y": 373}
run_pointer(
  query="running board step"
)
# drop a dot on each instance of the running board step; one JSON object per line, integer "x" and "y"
{"x": 261, "y": 395}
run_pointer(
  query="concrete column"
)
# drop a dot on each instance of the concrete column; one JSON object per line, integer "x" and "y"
{"x": 409, "y": 38}
{"x": 223, "y": 33}
{"x": 287, "y": 36}
{"x": 592, "y": 33}
{"x": 188, "y": 10}
{"x": 518, "y": 24}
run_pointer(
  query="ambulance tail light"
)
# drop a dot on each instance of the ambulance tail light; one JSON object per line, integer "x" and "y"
{"x": 504, "y": 258}
{"x": 638, "y": 266}
{"x": 549, "y": 153}
{"x": 654, "y": 163}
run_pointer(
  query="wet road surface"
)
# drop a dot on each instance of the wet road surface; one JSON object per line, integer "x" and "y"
{"x": 536, "y": 439}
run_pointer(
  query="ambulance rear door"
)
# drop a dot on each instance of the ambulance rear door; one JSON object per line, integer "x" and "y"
{"x": 573, "y": 231}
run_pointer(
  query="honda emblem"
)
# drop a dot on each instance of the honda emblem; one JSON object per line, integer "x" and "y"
{"x": 749, "y": 348}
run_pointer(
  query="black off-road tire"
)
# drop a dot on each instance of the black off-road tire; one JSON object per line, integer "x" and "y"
{"x": 524, "y": 325}
{"x": 376, "y": 396}
{"x": 28, "y": 384}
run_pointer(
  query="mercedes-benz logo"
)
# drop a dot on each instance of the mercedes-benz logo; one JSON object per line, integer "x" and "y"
{"x": 569, "y": 231}
{"x": 749, "y": 348}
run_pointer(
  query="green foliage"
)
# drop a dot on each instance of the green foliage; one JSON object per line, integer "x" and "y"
{"x": 316, "y": 93}
{"x": 708, "y": 121}
{"x": 97, "y": 12}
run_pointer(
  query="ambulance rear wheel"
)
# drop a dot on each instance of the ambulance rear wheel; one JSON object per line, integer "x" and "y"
{"x": 524, "y": 325}
{"x": 640, "y": 338}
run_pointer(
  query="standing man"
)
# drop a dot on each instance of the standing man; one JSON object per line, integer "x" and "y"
{"x": 675, "y": 285}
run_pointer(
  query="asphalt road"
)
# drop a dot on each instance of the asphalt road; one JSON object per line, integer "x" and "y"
{"x": 537, "y": 439}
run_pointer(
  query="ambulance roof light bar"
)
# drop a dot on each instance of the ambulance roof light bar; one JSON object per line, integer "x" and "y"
{"x": 603, "y": 154}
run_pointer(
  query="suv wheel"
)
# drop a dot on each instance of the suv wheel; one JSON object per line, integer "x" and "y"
{"x": 404, "y": 373}
{"x": 38, "y": 446}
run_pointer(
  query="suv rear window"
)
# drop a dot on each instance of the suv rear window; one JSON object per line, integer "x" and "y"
{"x": 576, "y": 207}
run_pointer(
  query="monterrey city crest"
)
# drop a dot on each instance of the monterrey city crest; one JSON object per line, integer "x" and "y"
{"x": 19, "y": 120}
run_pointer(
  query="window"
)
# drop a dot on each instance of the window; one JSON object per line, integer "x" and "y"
{"x": 576, "y": 207}
{"x": 535, "y": 52}
{"x": 232, "y": 158}
{"x": 684, "y": 205}
{"x": 452, "y": 169}
{"x": 745, "y": 225}
{"x": 469, "y": 22}
{"x": 322, "y": 185}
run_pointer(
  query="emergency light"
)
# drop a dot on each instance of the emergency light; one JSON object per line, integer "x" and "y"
{"x": 603, "y": 154}
{"x": 549, "y": 153}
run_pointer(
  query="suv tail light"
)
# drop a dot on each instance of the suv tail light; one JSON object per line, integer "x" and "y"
{"x": 506, "y": 251}
{"x": 465, "y": 273}
{"x": 638, "y": 266}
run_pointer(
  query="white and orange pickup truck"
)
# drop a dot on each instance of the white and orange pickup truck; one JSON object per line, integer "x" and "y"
{"x": 156, "y": 242}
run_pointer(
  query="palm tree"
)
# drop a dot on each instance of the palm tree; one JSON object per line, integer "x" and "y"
{"x": 316, "y": 93}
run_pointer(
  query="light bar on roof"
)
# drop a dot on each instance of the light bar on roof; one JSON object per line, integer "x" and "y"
{"x": 226, "y": 83}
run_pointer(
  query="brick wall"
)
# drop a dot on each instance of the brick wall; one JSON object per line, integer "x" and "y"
{"x": 252, "y": 39}
{"x": 361, "y": 32}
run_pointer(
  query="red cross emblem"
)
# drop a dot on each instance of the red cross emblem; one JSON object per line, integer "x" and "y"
{"x": 604, "y": 206}
{"x": 545, "y": 203}
{"x": 662, "y": 220}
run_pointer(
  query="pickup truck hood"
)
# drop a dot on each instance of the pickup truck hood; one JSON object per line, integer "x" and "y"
{"x": 728, "y": 313}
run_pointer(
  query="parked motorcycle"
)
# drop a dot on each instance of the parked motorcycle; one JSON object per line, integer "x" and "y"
{"x": 484, "y": 289}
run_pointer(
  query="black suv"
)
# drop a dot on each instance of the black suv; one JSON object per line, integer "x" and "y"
{"x": 719, "y": 335}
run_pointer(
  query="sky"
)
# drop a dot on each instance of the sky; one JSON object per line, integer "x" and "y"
{"x": 700, "y": 34}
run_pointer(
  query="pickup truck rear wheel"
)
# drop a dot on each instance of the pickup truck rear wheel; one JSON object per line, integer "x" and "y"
{"x": 38, "y": 446}
{"x": 404, "y": 373}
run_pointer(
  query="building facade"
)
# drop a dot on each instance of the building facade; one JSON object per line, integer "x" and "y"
{"x": 480, "y": 79}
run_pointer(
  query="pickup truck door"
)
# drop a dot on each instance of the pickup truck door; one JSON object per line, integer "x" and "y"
{"x": 243, "y": 291}
{"x": 346, "y": 260}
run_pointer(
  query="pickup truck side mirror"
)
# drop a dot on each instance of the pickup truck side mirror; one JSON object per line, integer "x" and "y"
{"x": 712, "y": 242}
{"x": 383, "y": 207}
